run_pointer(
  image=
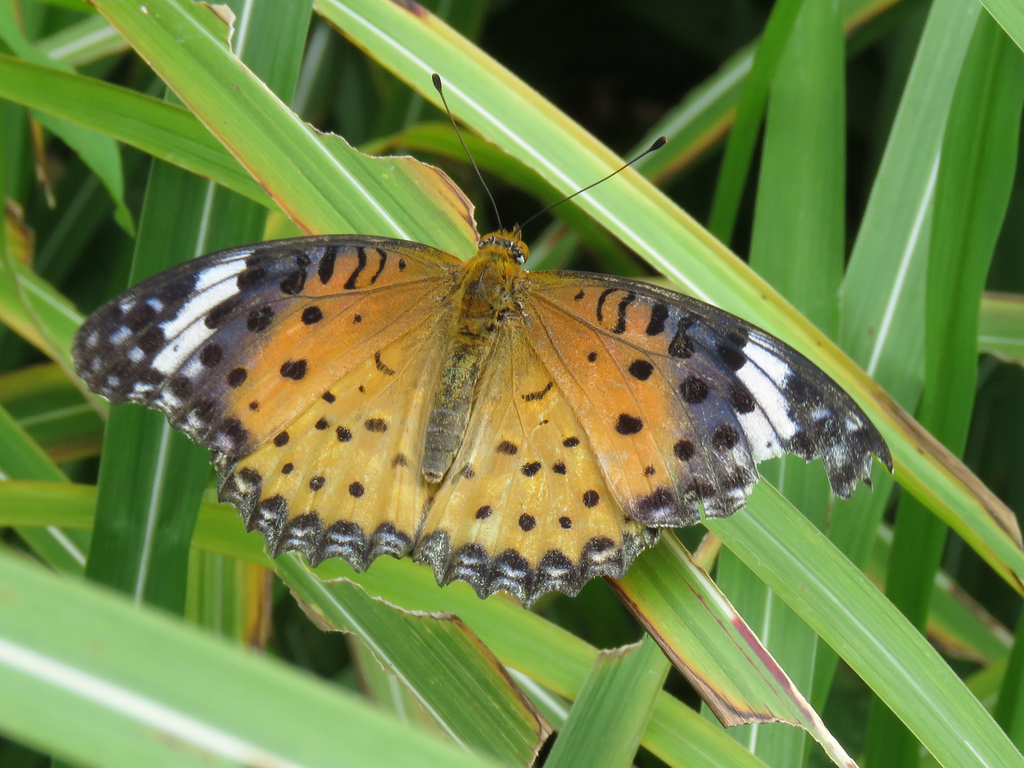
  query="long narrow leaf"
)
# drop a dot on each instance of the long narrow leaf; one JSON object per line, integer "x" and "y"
{"x": 86, "y": 658}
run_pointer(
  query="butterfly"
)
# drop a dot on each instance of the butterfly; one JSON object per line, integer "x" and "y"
{"x": 520, "y": 431}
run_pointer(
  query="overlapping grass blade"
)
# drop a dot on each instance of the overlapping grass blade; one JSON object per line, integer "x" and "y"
{"x": 1001, "y": 326}
{"x": 1010, "y": 16}
{"x": 612, "y": 710}
{"x": 739, "y": 148}
{"x": 878, "y": 643}
{"x": 523, "y": 641}
{"x": 972, "y": 190}
{"x": 474, "y": 701}
{"x": 52, "y": 411}
{"x": 798, "y": 246}
{"x": 86, "y": 658}
{"x": 98, "y": 151}
{"x": 166, "y": 131}
{"x": 84, "y": 42}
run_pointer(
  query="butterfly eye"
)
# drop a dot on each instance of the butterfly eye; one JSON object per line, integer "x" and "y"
{"x": 519, "y": 251}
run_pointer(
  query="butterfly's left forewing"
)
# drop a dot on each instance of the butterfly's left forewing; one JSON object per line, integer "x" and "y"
{"x": 234, "y": 345}
{"x": 681, "y": 400}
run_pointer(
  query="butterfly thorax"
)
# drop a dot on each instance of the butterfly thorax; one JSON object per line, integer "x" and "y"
{"x": 485, "y": 294}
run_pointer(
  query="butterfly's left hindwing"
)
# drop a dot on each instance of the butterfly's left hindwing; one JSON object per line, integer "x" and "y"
{"x": 234, "y": 345}
{"x": 681, "y": 399}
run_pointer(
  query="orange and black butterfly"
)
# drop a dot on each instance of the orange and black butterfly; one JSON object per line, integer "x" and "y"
{"x": 519, "y": 431}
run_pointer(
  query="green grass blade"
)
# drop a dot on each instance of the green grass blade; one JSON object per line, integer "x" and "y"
{"x": 325, "y": 185}
{"x": 711, "y": 644}
{"x": 83, "y": 42}
{"x": 86, "y": 657}
{"x": 612, "y": 710}
{"x": 957, "y": 625}
{"x": 1009, "y": 709}
{"x": 166, "y": 131}
{"x": 979, "y": 158}
{"x": 1001, "y": 327}
{"x": 99, "y": 152}
{"x": 696, "y": 124}
{"x": 522, "y": 640}
{"x": 230, "y": 597}
{"x": 20, "y": 455}
{"x": 883, "y": 330}
{"x": 52, "y": 411}
{"x": 878, "y": 643}
{"x": 1010, "y": 16}
{"x": 798, "y": 246}
{"x": 474, "y": 701}
{"x": 22, "y": 458}
{"x": 152, "y": 477}
{"x": 677, "y": 731}
{"x": 739, "y": 149}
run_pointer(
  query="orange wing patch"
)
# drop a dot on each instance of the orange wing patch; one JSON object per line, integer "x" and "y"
{"x": 681, "y": 399}
{"x": 343, "y": 479}
{"x": 234, "y": 345}
{"x": 525, "y": 507}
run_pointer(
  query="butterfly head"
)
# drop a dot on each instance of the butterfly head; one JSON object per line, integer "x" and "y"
{"x": 505, "y": 244}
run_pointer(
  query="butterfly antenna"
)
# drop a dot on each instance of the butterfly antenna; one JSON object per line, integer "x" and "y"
{"x": 437, "y": 84}
{"x": 658, "y": 144}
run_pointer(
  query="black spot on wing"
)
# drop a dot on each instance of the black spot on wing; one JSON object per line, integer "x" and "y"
{"x": 325, "y": 271}
{"x": 380, "y": 267}
{"x": 620, "y": 321}
{"x": 507, "y": 447}
{"x": 628, "y": 424}
{"x": 539, "y": 394}
{"x": 681, "y": 346}
{"x": 360, "y": 266}
{"x": 530, "y": 468}
{"x": 694, "y": 389}
{"x": 600, "y": 303}
{"x": 294, "y": 369}
{"x": 260, "y": 319}
{"x": 659, "y": 314}
{"x": 381, "y": 366}
{"x": 220, "y": 313}
{"x": 641, "y": 369}
{"x": 253, "y": 277}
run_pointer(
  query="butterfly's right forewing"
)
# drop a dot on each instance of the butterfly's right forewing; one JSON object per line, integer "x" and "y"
{"x": 681, "y": 399}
